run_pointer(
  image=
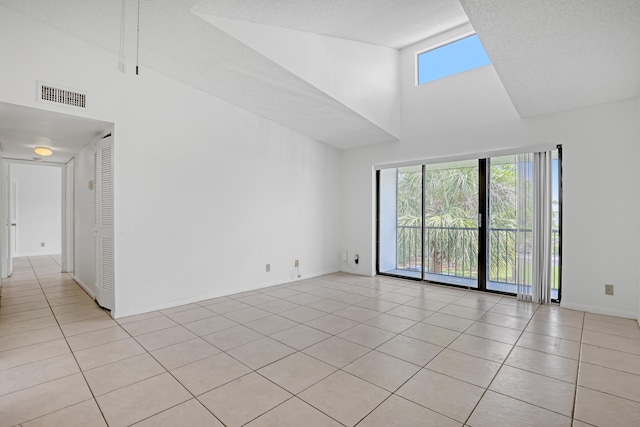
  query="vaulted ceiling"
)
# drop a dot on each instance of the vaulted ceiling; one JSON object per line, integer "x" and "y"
{"x": 550, "y": 55}
{"x": 557, "y": 55}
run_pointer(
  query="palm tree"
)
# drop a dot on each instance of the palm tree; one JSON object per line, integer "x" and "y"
{"x": 409, "y": 207}
{"x": 451, "y": 207}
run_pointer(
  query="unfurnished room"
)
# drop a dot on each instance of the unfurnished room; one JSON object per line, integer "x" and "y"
{"x": 315, "y": 213}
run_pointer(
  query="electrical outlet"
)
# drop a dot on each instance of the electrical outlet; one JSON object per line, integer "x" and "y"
{"x": 42, "y": 244}
{"x": 608, "y": 289}
{"x": 297, "y": 263}
{"x": 268, "y": 268}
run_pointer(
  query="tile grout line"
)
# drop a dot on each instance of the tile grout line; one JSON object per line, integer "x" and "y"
{"x": 297, "y": 323}
{"x": 424, "y": 366}
{"x": 500, "y": 369}
{"x": 93, "y": 397}
{"x": 575, "y": 389}
{"x": 167, "y": 371}
{"x": 372, "y": 349}
{"x": 70, "y": 350}
{"x": 296, "y": 351}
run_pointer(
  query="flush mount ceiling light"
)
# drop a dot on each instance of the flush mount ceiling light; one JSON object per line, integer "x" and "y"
{"x": 43, "y": 151}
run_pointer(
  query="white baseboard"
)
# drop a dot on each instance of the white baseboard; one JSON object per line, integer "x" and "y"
{"x": 87, "y": 289}
{"x": 35, "y": 254}
{"x": 600, "y": 310}
{"x": 116, "y": 314}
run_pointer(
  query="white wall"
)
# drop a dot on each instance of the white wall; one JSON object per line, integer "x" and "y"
{"x": 600, "y": 147}
{"x": 83, "y": 221}
{"x": 206, "y": 194}
{"x": 39, "y": 201}
{"x": 473, "y": 98}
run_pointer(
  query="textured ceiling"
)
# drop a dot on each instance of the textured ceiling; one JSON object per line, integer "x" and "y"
{"x": 550, "y": 55}
{"x": 395, "y": 24}
{"x": 556, "y": 55}
{"x": 24, "y": 128}
{"x": 181, "y": 45}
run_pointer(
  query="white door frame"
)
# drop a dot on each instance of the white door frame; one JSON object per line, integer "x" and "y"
{"x": 103, "y": 222}
{"x": 13, "y": 224}
{"x": 68, "y": 199}
{"x": 5, "y": 223}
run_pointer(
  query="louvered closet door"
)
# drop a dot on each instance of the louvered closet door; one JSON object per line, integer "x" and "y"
{"x": 103, "y": 215}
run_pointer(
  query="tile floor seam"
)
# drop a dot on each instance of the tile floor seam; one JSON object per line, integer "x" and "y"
{"x": 72, "y": 354}
{"x": 56, "y": 410}
{"x": 460, "y": 332}
{"x": 610, "y": 367}
{"x": 407, "y": 399}
{"x": 174, "y": 406}
{"x": 500, "y": 369}
{"x": 293, "y": 395}
{"x": 93, "y": 346}
{"x": 399, "y": 387}
{"x": 541, "y": 374}
{"x": 553, "y": 336}
{"x": 575, "y": 389}
{"x": 27, "y": 331}
{"x": 613, "y": 334}
{"x": 75, "y": 358}
{"x": 610, "y": 394}
{"x": 87, "y": 332}
{"x": 570, "y": 417}
{"x": 35, "y": 361}
{"x": 193, "y": 396}
{"x": 546, "y": 352}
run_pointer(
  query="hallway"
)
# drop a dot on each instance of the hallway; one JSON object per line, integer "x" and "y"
{"x": 38, "y": 371}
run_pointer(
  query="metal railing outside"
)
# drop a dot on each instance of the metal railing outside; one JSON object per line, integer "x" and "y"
{"x": 452, "y": 251}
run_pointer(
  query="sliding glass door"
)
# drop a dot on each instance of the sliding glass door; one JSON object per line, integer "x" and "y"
{"x": 510, "y": 223}
{"x": 465, "y": 223}
{"x": 511, "y": 214}
{"x": 428, "y": 222}
{"x": 451, "y": 223}
{"x": 400, "y": 221}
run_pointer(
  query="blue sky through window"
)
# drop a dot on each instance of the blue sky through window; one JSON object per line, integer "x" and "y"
{"x": 453, "y": 58}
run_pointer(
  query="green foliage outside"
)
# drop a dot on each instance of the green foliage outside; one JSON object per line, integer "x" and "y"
{"x": 451, "y": 220}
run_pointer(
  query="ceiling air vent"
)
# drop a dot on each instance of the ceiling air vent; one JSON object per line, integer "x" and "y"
{"x": 57, "y": 95}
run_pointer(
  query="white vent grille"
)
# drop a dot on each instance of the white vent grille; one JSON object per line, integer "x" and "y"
{"x": 106, "y": 170}
{"x": 57, "y": 95}
{"x": 106, "y": 249}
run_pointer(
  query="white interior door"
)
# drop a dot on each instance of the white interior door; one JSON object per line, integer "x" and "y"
{"x": 103, "y": 214}
{"x": 13, "y": 225}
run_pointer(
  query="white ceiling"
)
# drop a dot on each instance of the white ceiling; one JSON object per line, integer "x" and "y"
{"x": 176, "y": 42}
{"x": 394, "y": 24}
{"x": 550, "y": 55}
{"x": 24, "y": 128}
{"x": 557, "y": 55}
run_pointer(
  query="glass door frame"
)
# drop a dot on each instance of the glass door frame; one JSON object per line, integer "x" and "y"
{"x": 484, "y": 166}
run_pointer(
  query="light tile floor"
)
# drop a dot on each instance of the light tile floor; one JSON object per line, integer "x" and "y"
{"x": 329, "y": 351}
